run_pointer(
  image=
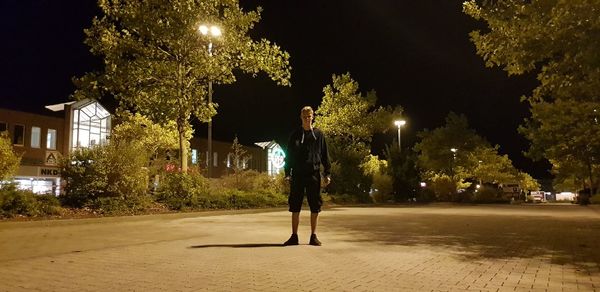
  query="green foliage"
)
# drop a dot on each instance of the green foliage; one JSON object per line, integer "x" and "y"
{"x": 250, "y": 190}
{"x": 9, "y": 160}
{"x": 15, "y": 202}
{"x": 383, "y": 186}
{"x": 446, "y": 169}
{"x": 566, "y": 132}
{"x": 107, "y": 171}
{"x": 475, "y": 159}
{"x": 559, "y": 40}
{"x": 350, "y": 119}
{"x": 252, "y": 181}
{"x": 181, "y": 191}
{"x": 156, "y": 141}
{"x": 346, "y": 174}
{"x": 434, "y": 148}
{"x": 157, "y": 62}
{"x": 487, "y": 194}
{"x": 239, "y": 156}
{"x": 405, "y": 176}
{"x": 347, "y": 114}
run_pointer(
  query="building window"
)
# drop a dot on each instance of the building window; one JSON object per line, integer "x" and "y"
{"x": 3, "y": 127}
{"x": 36, "y": 134}
{"x": 91, "y": 125}
{"x": 194, "y": 156}
{"x": 51, "y": 139}
{"x": 19, "y": 135}
{"x": 215, "y": 162}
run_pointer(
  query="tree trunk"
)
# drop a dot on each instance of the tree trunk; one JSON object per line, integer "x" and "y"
{"x": 182, "y": 149}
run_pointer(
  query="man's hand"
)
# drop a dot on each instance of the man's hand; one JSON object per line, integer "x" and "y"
{"x": 327, "y": 181}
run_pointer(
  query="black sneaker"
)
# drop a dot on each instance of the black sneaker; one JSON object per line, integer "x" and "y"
{"x": 314, "y": 240}
{"x": 292, "y": 241}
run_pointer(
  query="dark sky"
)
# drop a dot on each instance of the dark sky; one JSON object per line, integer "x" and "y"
{"x": 416, "y": 54}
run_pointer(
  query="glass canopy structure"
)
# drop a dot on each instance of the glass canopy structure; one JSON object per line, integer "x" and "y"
{"x": 90, "y": 124}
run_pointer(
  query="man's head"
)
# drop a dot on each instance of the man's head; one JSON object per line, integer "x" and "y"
{"x": 306, "y": 115}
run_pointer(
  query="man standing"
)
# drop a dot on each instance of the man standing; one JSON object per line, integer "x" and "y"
{"x": 306, "y": 152}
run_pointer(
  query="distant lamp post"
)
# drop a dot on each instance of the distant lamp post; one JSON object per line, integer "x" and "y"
{"x": 210, "y": 32}
{"x": 453, "y": 153}
{"x": 399, "y": 124}
{"x": 454, "y": 150}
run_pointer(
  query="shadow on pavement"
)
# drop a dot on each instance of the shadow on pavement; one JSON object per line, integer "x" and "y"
{"x": 561, "y": 240}
{"x": 239, "y": 245}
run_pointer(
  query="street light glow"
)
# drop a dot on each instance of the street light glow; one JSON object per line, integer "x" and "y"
{"x": 453, "y": 150}
{"x": 400, "y": 123}
{"x": 203, "y": 29}
{"x": 213, "y": 30}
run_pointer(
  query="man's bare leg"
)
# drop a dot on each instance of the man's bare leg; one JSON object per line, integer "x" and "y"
{"x": 313, "y": 222}
{"x": 313, "y": 227}
{"x": 295, "y": 222}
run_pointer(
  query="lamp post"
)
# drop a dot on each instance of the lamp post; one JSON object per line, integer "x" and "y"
{"x": 212, "y": 31}
{"x": 454, "y": 150}
{"x": 399, "y": 124}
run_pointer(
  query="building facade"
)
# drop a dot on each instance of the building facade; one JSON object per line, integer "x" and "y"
{"x": 42, "y": 139}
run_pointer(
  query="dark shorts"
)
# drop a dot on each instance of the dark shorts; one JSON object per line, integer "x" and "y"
{"x": 309, "y": 185}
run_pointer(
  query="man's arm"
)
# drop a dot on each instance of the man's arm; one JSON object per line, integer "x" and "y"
{"x": 287, "y": 166}
{"x": 325, "y": 158}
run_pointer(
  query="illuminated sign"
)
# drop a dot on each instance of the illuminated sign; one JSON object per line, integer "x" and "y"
{"x": 278, "y": 157}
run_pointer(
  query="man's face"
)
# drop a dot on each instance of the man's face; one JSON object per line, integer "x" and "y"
{"x": 306, "y": 118}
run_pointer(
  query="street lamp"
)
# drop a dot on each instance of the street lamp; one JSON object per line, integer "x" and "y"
{"x": 453, "y": 161}
{"x": 212, "y": 31}
{"x": 399, "y": 124}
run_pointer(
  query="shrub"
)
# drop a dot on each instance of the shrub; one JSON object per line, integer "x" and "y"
{"x": 107, "y": 171}
{"x": 48, "y": 204}
{"x": 15, "y": 202}
{"x": 488, "y": 195}
{"x": 249, "y": 189}
{"x": 253, "y": 181}
{"x": 9, "y": 160}
{"x": 181, "y": 191}
{"x": 343, "y": 199}
{"x": 595, "y": 199}
{"x": 383, "y": 186}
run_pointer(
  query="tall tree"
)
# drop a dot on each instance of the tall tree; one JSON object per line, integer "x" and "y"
{"x": 567, "y": 132}
{"x": 435, "y": 147}
{"x": 451, "y": 154}
{"x": 157, "y": 62}
{"x": 560, "y": 41}
{"x": 350, "y": 118}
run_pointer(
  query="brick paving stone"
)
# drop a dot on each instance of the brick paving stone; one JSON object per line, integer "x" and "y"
{"x": 417, "y": 248}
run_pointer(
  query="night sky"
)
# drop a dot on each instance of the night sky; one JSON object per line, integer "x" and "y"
{"x": 416, "y": 54}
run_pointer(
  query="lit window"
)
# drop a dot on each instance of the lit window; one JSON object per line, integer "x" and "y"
{"x": 91, "y": 125}
{"x": 19, "y": 135}
{"x": 36, "y": 134}
{"x": 194, "y": 156}
{"x": 51, "y": 139}
{"x": 3, "y": 127}
{"x": 215, "y": 159}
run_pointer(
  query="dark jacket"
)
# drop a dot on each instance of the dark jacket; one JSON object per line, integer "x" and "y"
{"x": 306, "y": 151}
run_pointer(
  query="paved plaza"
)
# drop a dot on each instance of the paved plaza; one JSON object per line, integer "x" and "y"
{"x": 396, "y": 248}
